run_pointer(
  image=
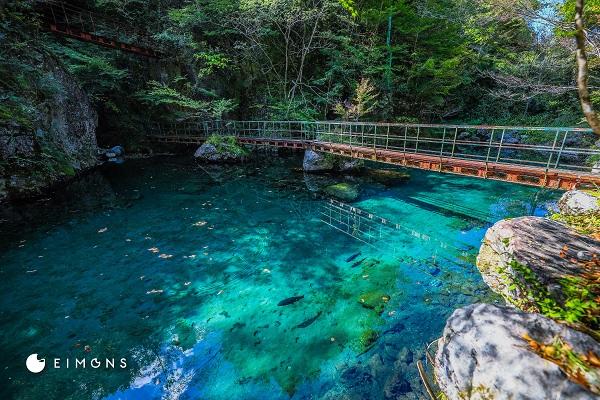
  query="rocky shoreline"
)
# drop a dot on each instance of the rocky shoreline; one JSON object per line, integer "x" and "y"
{"x": 545, "y": 342}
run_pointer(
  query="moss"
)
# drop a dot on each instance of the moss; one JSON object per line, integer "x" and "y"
{"x": 366, "y": 340}
{"x": 586, "y": 224}
{"x": 342, "y": 191}
{"x": 374, "y": 300}
{"x": 227, "y": 144}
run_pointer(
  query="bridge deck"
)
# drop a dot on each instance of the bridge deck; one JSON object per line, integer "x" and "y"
{"x": 69, "y": 20}
{"x": 526, "y": 175}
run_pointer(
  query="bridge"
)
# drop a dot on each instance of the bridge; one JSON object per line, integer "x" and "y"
{"x": 551, "y": 157}
{"x": 68, "y": 20}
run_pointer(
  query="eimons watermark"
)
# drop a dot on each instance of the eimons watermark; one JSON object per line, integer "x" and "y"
{"x": 37, "y": 365}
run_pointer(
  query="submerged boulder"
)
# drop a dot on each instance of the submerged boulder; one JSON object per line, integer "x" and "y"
{"x": 492, "y": 352}
{"x": 374, "y": 300}
{"x": 578, "y": 202}
{"x": 540, "y": 265}
{"x": 342, "y": 191}
{"x": 317, "y": 162}
{"x": 387, "y": 177}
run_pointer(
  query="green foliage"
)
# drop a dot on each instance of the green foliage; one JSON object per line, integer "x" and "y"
{"x": 587, "y": 224}
{"x": 577, "y": 302}
{"x": 160, "y": 94}
{"x": 364, "y": 102}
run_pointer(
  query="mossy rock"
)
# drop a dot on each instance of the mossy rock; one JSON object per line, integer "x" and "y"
{"x": 374, "y": 300}
{"x": 342, "y": 191}
{"x": 219, "y": 148}
{"x": 388, "y": 177}
{"x": 365, "y": 341}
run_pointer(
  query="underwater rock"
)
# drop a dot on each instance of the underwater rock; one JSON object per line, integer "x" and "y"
{"x": 375, "y": 301}
{"x": 395, "y": 386}
{"x": 342, "y": 191}
{"x": 405, "y": 356}
{"x": 316, "y": 162}
{"x": 387, "y": 177}
{"x": 577, "y": 202}
{"x": 531, "y": 260}
{"x": 493, "y": 352}
{"x": 316, "y": 183}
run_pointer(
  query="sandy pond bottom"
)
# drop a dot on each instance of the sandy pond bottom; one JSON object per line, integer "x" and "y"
{"x": 180, "y": 269}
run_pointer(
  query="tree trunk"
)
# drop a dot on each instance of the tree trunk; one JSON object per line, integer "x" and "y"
{"x": 582, "y": 70}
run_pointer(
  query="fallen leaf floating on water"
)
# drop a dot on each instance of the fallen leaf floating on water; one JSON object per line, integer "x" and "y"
{"x": 199, "y": 223}
{"x": 102, "y": 230}
{"x": 165, "y": 255}
{"x": 153, "y": 291}
{"x": 187, "y": 283}
{"x": 267, "y": 271}
{"x": 154, "y": 249}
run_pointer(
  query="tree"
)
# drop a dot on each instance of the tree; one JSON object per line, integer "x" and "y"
{"x": 582, "y": 69}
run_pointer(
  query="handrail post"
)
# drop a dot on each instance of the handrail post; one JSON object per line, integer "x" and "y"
{"x": 417, "y": 141}
{"x": 362, "y": 136}
{"x": 405, "y": 136}
{"x": 375, "y": 136}
{"x": 442, "y": 148}
{"x": 454, "y": 141}
{"x": 387, "y": 137}
{"x": 500, "y": 145}
{"x": 550, "y": 157}
{"x": 562, "y": 146}
{"x": 487, "y": 158}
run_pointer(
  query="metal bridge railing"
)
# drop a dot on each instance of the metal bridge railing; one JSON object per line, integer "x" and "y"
{"x": 559, "y": 148}
{"x": 74, "y": 19}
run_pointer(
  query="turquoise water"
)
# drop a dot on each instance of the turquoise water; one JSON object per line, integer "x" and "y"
{"x": 179, "y": 269}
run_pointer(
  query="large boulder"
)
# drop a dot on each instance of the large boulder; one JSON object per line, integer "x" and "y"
{"x": 492, "y": 352}
{"x": 577, "y": 202}
{"x": 317, "y": 162}
{"x": 221, "y": 150}
{"x": 538, "y": 264}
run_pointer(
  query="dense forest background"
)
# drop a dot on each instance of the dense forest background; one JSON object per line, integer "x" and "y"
{"x": 469, "y": 61}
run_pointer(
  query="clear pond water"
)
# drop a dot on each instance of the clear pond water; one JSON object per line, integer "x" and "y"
{"x": 179, "y": 269}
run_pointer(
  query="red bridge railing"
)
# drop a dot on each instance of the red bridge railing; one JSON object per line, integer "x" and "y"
{"x": 561, "y": 157}
{"x": 78, "y": 23}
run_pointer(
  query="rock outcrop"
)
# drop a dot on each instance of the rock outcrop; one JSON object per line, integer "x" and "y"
{"x": 529, "y": 260}
{"x": 492, "y": 352}
{"x": 221, "y": 149}
{"x": 577, "y": 202}
{"x": 60, "y": 142}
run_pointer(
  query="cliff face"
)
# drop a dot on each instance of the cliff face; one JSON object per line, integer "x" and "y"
{"x": 61, "y": 142}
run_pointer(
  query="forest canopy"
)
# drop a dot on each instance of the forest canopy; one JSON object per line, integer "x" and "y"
{"x": 470, "y": 61}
